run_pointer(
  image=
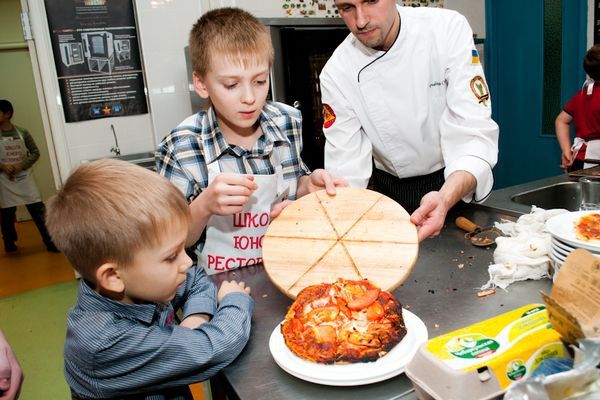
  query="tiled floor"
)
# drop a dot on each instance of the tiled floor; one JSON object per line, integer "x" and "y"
{"x": 32, "y": 267}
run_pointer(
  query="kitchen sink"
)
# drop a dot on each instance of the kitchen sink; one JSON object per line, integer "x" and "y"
{"x": 145, "y": 159}
{"x": 147, "y": 155}
{"x": 559, "y": 195}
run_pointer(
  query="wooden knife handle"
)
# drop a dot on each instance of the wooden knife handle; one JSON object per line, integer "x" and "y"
{"x": 466, "y": 225}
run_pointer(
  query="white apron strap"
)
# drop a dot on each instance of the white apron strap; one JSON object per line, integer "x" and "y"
{"x": 577, "y": 145}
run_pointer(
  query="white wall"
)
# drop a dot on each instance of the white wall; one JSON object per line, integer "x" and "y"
{"x": 473, "y": 10}
{"x": 164, "y": 27}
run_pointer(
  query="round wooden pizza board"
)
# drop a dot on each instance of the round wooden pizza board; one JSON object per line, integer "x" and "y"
{"x": 356, "y": 234}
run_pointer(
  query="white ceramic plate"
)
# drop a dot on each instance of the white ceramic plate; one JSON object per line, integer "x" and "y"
{"x": 563, "y": 227}
{"x": 558, "y": 256}
{"x": 390, "y": 365}
{"x": 557, "y": 263}
{"x": 559, "y": 250}
{"x": 556, "y": 243}
{"x": 562, "y": 246}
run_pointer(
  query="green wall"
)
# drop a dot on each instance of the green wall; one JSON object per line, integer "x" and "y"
{"x": 17, "y": 85}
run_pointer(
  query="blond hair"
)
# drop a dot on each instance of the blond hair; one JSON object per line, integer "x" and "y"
{"x": 108, "y": 210}
{"x": 231, "y": 33}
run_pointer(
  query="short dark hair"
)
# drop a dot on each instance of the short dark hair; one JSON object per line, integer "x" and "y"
{"x": 6, "y": 106}
{"x": 591, "y": 62}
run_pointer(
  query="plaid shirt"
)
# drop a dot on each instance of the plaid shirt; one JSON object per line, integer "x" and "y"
{"x": 183, "y": 156}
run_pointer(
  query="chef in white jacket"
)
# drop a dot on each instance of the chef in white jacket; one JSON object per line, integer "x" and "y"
{"x": 405, "y": 92}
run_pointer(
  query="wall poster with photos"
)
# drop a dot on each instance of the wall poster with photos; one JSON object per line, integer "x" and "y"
{"x": 97, "y": 58}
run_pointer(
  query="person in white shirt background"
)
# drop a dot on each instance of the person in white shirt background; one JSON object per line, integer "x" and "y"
{"x": 405, "y": 92}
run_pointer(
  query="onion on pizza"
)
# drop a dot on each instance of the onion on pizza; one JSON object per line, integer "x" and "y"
{"x": 347, "y": 321}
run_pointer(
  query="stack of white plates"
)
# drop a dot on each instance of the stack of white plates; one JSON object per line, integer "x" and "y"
{"x": 564, "y": 240}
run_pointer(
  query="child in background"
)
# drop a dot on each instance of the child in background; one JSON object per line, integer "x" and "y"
{"x": 18, "y": 153}
{"x": 124, "y": 228}
{"x": 584, "y": 111}
{"x": 235, "y": 160}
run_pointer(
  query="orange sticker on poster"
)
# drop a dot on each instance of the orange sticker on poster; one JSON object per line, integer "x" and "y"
{"x": 328, "y": 116}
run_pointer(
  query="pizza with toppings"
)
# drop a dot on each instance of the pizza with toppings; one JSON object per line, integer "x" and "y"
{"x": 587, "y": 228}
{"x": 347, "y": 321}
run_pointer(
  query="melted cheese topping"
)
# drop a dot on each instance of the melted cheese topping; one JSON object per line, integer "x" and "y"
{"x": 588, "y": 227}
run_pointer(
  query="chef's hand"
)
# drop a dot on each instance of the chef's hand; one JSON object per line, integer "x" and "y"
{"x": 194, "y": 320}
{"x": 430, "y": 216}
{"x": 320, "y": 179}
{"x": 11, "y": 375}
{"x": 227, "y": 193}
{"x": 566, "y": 159}
{"x": 228, "y": 287}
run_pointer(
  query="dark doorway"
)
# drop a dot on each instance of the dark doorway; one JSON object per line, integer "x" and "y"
{"x": 304, "y": 51}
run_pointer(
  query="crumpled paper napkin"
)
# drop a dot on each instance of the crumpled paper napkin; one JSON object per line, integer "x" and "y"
{"x": 524, "y": 252}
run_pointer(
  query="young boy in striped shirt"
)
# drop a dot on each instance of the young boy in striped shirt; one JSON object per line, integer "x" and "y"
{"x": 123, "y": 228}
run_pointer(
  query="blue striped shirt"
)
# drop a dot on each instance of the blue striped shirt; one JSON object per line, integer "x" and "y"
{"x": 183, "y": 156}
{"x": 114, "y": 349}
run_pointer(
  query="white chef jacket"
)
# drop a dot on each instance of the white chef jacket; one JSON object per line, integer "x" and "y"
{"x": 412, "y": 108}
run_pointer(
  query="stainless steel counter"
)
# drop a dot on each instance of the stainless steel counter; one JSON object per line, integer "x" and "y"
{"x": 443, "y": 295}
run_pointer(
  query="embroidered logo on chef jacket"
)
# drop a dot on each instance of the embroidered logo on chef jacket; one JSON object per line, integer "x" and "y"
{"x": 474, "y": 56}
{"x": 328, "y": 116}
{"x": 480, "y": 90}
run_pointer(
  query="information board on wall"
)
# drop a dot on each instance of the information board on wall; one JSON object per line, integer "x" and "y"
{"x": 97, "y": 58}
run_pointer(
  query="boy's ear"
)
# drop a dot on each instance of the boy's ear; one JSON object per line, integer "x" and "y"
{"x": 199, "y": 86}
{"x": 108, "y": 279}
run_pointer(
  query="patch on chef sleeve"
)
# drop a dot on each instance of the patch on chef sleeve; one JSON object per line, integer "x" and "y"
{"x": 328, "y": 116}
{"x": 480, "y": 90}
{"x": 474, "y": 56}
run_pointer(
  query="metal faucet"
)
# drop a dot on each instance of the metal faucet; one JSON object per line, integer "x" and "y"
{"x": 115, "y": 149}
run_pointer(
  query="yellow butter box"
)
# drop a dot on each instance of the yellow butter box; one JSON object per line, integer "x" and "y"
{"x": 482, "y": 360}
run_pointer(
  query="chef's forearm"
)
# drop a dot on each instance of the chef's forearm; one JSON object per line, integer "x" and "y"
{"x": 200, "y": 217}
{"x": 457, "y": 185}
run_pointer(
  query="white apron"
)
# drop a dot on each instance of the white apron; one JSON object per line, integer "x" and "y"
{"x": 591, "y": 152}
{"x": 21, "y": 189}
{"x": 235, "y": 241}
